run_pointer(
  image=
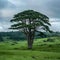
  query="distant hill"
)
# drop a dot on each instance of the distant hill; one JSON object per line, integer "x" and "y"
{"x": 20, "y": 36}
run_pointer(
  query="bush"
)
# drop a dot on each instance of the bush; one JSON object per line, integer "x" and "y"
{"x": 50, "y": 40}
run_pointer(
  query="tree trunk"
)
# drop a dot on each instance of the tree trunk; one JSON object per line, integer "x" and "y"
{"x": 30, "y": 42}
{"x": 30, "y": 36}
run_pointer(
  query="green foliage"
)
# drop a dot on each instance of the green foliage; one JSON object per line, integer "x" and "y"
{"x": 1, "y": 38}
{"x": 12, "y": 36}
{"x": 28, "y": 22}
{"x": 41, "y": 50}
{"x": 33, "y": 18}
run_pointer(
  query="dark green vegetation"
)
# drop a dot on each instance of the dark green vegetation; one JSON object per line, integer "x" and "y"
{"x": 17, "y": 36}
{"x": 29, "y": 22}
{"x": 43, "y": 49}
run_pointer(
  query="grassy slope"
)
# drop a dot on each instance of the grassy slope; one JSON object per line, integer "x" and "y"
{"x": 41, "y": 50}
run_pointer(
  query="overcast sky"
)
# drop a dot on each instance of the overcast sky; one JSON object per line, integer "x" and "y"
{"x": 8, "y": 8}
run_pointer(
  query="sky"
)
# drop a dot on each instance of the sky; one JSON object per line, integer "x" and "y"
{"x": 8, "y": 8}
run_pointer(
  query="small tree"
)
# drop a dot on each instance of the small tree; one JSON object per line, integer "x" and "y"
{"x": 29, "y": 21}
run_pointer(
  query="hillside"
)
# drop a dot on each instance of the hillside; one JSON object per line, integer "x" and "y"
{"x": 43, "y": 49}
{"x": 16, "y": 36}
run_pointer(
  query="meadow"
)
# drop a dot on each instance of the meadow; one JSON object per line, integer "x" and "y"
{"x": 43, "y": 49}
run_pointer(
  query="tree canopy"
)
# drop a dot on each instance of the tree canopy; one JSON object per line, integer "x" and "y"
{"x": 28, "y": 22}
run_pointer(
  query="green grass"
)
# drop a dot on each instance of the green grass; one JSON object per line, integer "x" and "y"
{"x": 28, "y": 55}
{"x": 10, "y": 50}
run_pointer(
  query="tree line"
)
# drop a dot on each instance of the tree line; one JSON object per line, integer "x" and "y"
{"x": 17, "y": 36}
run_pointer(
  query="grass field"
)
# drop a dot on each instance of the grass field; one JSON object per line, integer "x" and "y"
{"x": 42, "y": 50}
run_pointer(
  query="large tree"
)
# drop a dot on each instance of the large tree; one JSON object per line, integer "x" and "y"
{"x": 28, "y": 22}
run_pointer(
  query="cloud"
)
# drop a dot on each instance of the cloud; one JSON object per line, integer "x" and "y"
{"x": 53, "y": 8}
{"x": 3, "y": 4}
{"x": 7, "y": 13}
{"x": 17, "y": 2}
{"x": 48, "y": 7}
{"x": 55, "y": 26}
{"x": 6, "y": 4}
{"x": 4, "y": 26}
